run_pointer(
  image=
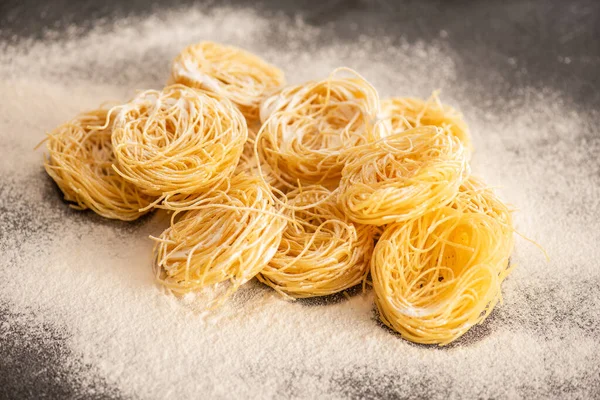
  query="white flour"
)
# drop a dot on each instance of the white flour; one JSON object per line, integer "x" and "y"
{"x": 92, "y": 278}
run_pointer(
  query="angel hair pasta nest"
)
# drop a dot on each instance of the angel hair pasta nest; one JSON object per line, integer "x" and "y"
{"x": 438, "y": 275}
{"x": 401, "y": 177}
{"x": 178, "y": 143}
{"x": 405, "y": 113}
{"x": 228, "y": 238}
{"x": 80, "y": 160}
{"x": 233, "y": 73}
{"x": 321, "y": 251}
{"x": 309, "y": 188}
{"x": 307, "y": 128}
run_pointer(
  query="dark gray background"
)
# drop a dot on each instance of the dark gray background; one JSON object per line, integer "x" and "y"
{"x": 484, "y": 35}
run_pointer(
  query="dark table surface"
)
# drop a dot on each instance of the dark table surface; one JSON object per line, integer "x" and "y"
{"x": 484, "y": 35}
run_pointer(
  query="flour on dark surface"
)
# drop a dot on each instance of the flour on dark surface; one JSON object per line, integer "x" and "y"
{"x": 79, "y": 308}
{"x": 38, "y": 355}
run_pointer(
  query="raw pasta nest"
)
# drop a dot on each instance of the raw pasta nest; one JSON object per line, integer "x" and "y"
{"x": 80, "y": 161}
{"x": 405, "y": 113}
{"x": 307, "y": 128}
{"x": 438, "y": 275}
{"x": 403, "y": 176}
{"x": 233, "y": 73}
{"x": 228, "y": 238}
{"x": 179, "y": 143}
{"x": 322, "y": 252}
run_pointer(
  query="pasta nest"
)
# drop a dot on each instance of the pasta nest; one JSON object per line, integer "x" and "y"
{"x": 404, "y": 113}
{"x": 307, "y": 128}
{"x": 438, "y": 275}
{"x": 80, "y": 161}
{"x": 179, "y": 143}
{"x": 402, "y": 177}
{"x": 228, "y": 238}
{"x": 233, "y": 73}
{"x": 321, "y": 252}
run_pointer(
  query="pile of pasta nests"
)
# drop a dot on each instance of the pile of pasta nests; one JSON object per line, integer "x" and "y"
{"x": 312, "y": 189}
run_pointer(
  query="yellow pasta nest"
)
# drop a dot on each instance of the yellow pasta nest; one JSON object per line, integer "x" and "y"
{"x": 321, "y": 252}
{"x": 438, "y": 275}
{"x": 402, "y": 177}
{"x": 406, "y": 113}
{"x": 178, "y": 143}
{"x": 80, "y": 162}
{"x": 307, "y": 128}
{"x": 233, "y": 73}
{"x": 228, "y": 238}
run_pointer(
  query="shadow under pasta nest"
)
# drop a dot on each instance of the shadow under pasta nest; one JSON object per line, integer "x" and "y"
{"x": 318, "y": 301}
{"x": 476, "y": 334}
{"x": 331, "y": 299}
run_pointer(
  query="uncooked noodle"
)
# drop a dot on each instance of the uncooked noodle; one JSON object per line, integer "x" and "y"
{"x": 307, "y": 128}
{"x": 438, "y": 275}
{"x": 226, "y": 239}
{"x": 408, "y": 112}
{"x": 179, "y": 143}
{"x": 233, "y": 73}
{"x": 402, "y": 176}
{"x": 80, "y": 159}
{"x": 322, "y": 252}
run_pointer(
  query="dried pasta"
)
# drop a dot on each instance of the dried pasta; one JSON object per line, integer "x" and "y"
{"x": 322, "y": 252}
{"x": 307, "y": 128}
{"x": 179, "y": 143}
{"x": 438, "y": 275}
{"x": 80, "y": 161}
{"x": 476, "y": 197}
{"x": 233, "y": 73}
{"x": 405, "y": 113}
{"x": 226, "y": 239}
{"x": 403, "y": 176}
{"x": 309, "y": 188}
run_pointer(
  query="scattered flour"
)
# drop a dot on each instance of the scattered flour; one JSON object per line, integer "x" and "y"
{"x": 92, "y": 278}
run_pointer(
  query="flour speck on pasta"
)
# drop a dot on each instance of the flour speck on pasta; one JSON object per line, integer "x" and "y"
{"x": 91, "y": 279}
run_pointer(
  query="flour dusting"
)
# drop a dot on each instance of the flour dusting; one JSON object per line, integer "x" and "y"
{"x": 91, "y": 279}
